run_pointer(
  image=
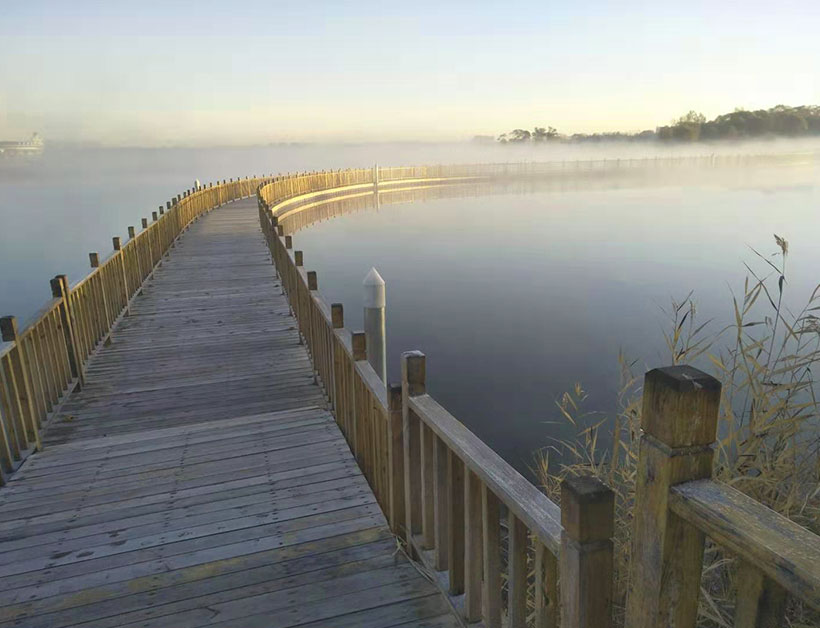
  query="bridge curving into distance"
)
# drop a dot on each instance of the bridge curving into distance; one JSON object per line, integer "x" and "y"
{"x": 191, "y": 437}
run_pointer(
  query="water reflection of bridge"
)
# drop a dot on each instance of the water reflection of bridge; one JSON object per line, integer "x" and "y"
{"x": 560, "y": 177}
{"x": 190, "y": 436}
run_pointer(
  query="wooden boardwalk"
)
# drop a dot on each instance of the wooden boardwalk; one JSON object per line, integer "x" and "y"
{"x": 198, "y": 478}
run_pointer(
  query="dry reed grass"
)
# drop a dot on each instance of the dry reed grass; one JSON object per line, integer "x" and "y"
{"x": 769, "y": 424}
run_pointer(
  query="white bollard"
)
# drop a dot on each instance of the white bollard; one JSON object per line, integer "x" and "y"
{"x": 374, "y": 327}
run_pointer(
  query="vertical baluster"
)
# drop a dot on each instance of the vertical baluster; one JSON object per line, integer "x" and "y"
{"x": 473, "y": 546}
{"x": 441, "y": 506}
{"x": 491, "y": 536}
{"x": 455, "y": 538}
{"x": 761, "y": 602}
{"x": 19, "y": 379}
{"x": 517, "y": 573}
{"x": 427, "y": 487}
{"x": 546, "y": 588}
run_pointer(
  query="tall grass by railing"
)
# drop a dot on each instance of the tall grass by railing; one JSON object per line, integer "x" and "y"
{"x": 444, "y": 491}
{"x": 768, "y": 425}
{"x": 448, "y": 509}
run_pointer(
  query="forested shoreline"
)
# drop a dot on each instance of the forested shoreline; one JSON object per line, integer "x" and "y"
{"x": 779, "y": 121}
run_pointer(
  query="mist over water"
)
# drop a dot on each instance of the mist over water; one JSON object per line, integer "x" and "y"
{"x": 514, "y": 297}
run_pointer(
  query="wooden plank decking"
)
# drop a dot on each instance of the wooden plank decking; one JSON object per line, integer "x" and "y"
{"x": 198, "y": 479}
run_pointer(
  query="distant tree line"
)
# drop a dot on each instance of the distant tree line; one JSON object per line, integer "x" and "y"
{"x": 779, "y": 121}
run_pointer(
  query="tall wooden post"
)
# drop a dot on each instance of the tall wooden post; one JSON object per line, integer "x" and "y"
{"x": 126, "y": 294}
{"x": 413, "y": 375}
{"x": 20, "y": 379}
{"x": 588, "y": 519}
{"x": 679, "y": 422}
{"x": 147, "y": 236}
{"x": 59, "y": 290}
{"x": 395, "y": 461}
{"x": 94, "y": 258}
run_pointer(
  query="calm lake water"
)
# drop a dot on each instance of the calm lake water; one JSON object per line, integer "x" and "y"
{"x": 514, "y": 296}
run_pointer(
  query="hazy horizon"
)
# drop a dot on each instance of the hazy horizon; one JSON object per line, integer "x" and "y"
{"x": 258, "y": 73}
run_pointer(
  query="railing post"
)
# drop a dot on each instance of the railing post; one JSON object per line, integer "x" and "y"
{"x": 59, "y": 290}
{"x": 147, "y": 236}
{"x": 679, "y": 422}
{"x": 94, "y": 258}
{"x": 374, "y": 322}
{"x": 588, "y": 519}
{"x": 413, "y": 374}
{"x": 337, "y": 321}
{"x": 358, "y": 344}
{"x": 20, "y": 374}
{"x": 118, "y": 248}
{"x": 395, "y": 461}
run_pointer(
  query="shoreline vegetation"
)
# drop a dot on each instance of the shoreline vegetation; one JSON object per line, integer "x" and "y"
{"x": 781, "y": 121}
{"x": 766, "y": 357}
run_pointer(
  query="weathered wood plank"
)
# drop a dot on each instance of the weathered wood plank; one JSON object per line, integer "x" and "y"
{"x": 198, "y": 467}
{"x": 781, "y": 549}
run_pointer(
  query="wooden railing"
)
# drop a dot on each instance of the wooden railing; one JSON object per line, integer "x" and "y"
{"x": 494, "y": 543}
{"x": 44, "y": 361}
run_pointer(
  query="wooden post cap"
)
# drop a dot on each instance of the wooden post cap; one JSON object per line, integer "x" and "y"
{"x": 117, "y": 243}
{"x": 167, "y": 204}
{"x": 144, "y": 223}
{"x": 587, "y": 509}
{"x": 358, "y": 340}
{"x": 288, "y": 242}
{"x": 414, "y": 372}
{"x": 298, "y": 258}
{"x": 154, "y": 216}
{"x": 313, "y": 280}
{"x": 8, "y": 328}
{"x": 274, "y": 219}
{"x": 56, "y": 287}
{"x": 279, "y": 230}
{"x": 680, "y": 406}
{"x": 394, "y": 397}
{"x": 161, "y": 210}
{"x": 174, "y": 201}
{"x": 132, "y": 232}
{"x": 94, "y": 258}
{"x": 337, "y": 315}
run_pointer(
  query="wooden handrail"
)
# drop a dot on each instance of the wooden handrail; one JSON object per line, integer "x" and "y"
{"x": 783, "y": 551}
{"x": 43, "y": 362}
{"x": 541, "y": 516}
{"x": 445, "y": 492}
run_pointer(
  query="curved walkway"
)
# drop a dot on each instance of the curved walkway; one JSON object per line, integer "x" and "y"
{"x": 198, "y": 479}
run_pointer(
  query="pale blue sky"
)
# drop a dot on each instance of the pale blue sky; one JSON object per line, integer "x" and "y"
{"x": 174, "y": 72}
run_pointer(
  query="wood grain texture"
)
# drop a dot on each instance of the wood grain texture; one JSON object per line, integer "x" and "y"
{"x": 197, "y": 478}
{"x": 780, "y": 549}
